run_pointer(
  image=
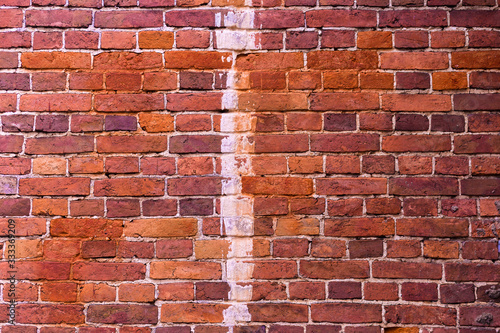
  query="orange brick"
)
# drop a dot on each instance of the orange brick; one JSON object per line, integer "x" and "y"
{"x": 49, "y": 166}
{"x": 47, "y": 206}
{"x": 449, "y": 80}
{"x": 129, "y": 292}
{"x": 374, "y": 39}
{"x": 156, "y": 39}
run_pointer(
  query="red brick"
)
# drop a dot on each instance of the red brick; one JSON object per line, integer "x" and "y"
{"x": 98, "y": 249}
{"x": 341, "y": 18}
{"x": 337, "y": 38}
{"x": 332, "y": 269}
{"x": 344, "y": 290}
{"x": 278, "y": 19}
{"x": 194, "y": 186}
{"x": 15, "y": 207}
{"x": 128, "y": 19}
{"x": 376, "y": 80}
{"x": 8, "y": 102}
{"x": 359, "y": 227}
{"x": 457, "y": 293}
{"x": 473, "y": 102}
{"x": 190, "y": 18}
{"x": 198, "y": 59}
{"x": 269, "y": 61}
{"x": 55, "y": 102}
{"x": 156, "y": 39}
{"x": 49, "y": 314}
{"x": 433, "y": 227}
{"x": 344, "y": 142}
{"x": 412, "y": 80}
{"x": 131, "y": 144}
{"x": 280, "y": 143}
{"x": 180, "y": 291}
{"x": 406, "y": 270}
{"x": 471, "y": 272}
{"x": 480, "y": 250}
{"x": 48, "y": 81}
{"x": 381, "y": 291}
{"x": 294, "y": 226}
{"x": 416, "y": 143}
{"x": 212, "y": 290}
{"x": 87, "y": 208}
{"x": 272, "y": 101}
{"x": 161, "y": 227}
{"x": 101, "y": 292}
{"x": 275, "y": 185}
{"x": 485, "y": 293}
{"x": 279, "y": 312}
{"x": 37, "y": 270}
{"x": 479, "y": 316}
{"x": 484, "y": 38}
{"x": 129, "y": 187}
{"x": 54, "y": 186}
{"x": 8, "y": 60}
{"x": 192, "y": 39}
{"x": 11, "y": 143}
{"x": 414, "y": 60}
{"x": 304, "y": 80}
{"x": 411, "y": 39}
{"x": 411, "y": 18}
{"x": 194, "y": 102}
{"x": 127, "y": 60}
{"x": 411, "y": 314}
{"x": 419, "y": 291}
{"x": 136, "y": 292}
{"x": 474, "y": 18}
{"x": 185, "y": 270}
{"x": 81, "y": 39}
{"x": 14, "y": 81}
{"x": 289, "y": 248}
{"x": 58, "y": 292}
{"x": 47, "y": 40}
{"x": 135, "y": 249}
{"x": 270, "y": 206}
{"x": 108, "y": 271}
{"x": 475, "y": 59}
{"x": 86, "y": 228}
{"x": 414, "y": 165}
{"x": 458, "y": 207}
{"x": 192, "y": 312}
{"x": 55, "y": 60}
{"x": 346, "y": 312}
{"x": 374, "y": 40}
{"x": 301, "y": 40}
{"x": 175, "y": 248}
{"x": 307, "y": 290}
{"x": 485, "y": 80}
{"x": 467, "y": 144}
{"x": 345, "y": 207}
{"x": 122, "y": 314}
{"x": 375, "y": 121}
{"x": 61, "y": 18}
{"x": 11, "y": 18}
{"x": 380, "y": 206}
{"x": 344, "y": 186}
{"x": 452, "y": 165}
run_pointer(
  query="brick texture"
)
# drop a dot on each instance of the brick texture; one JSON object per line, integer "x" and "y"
{"x": 250, "y": 166}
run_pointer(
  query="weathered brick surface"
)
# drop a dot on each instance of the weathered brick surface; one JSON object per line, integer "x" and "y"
{"x": 291, "y": 166}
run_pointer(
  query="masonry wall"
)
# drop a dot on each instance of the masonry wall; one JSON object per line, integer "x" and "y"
{"x": 237, "y": 166}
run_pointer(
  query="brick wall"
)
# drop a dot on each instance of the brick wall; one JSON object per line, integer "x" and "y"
{"x": 236, "y": 166}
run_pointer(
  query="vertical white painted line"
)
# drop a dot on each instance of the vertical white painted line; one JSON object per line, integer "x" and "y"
{"x": 236, "y": 208}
